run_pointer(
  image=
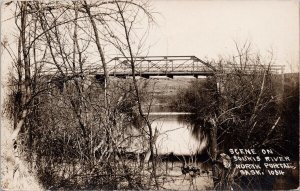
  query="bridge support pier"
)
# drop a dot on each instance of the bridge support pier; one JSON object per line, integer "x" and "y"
{"x": 170, "y": 76}
{"x": 145, "y": 76}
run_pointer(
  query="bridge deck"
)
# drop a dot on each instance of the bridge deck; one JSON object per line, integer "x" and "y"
{"x": 168, "y": 74}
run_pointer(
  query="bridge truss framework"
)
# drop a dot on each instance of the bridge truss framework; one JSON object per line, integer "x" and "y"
{"x": 169, "y": 66}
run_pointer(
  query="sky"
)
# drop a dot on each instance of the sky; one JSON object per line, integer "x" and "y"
{"x": 209, "y": 29}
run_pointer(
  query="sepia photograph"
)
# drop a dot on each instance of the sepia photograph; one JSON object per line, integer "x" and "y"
{"x": 149, "y": 94}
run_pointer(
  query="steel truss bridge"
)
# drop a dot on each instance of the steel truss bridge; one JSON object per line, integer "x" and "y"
{"x": 169, "y": 66}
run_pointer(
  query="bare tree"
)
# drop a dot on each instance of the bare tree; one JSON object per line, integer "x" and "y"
{"x": 127, "y": 13}
{"x": 76, "y": 127}
{"x": 239, "y": 107}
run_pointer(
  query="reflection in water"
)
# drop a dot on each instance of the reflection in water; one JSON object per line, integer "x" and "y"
{"x": 178, "y": 134}
{"x": 196, "y": 127}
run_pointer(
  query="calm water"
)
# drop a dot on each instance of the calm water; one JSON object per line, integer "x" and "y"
{"x": 174, "y": 134}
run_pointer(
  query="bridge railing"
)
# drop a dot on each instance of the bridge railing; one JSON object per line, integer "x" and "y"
{"x": 274, "y": 69}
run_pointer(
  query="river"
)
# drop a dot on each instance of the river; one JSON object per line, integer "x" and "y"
{"x": 175, "y": 134}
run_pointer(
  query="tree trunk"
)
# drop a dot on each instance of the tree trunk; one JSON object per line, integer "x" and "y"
{"x": 214, "y": 150}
